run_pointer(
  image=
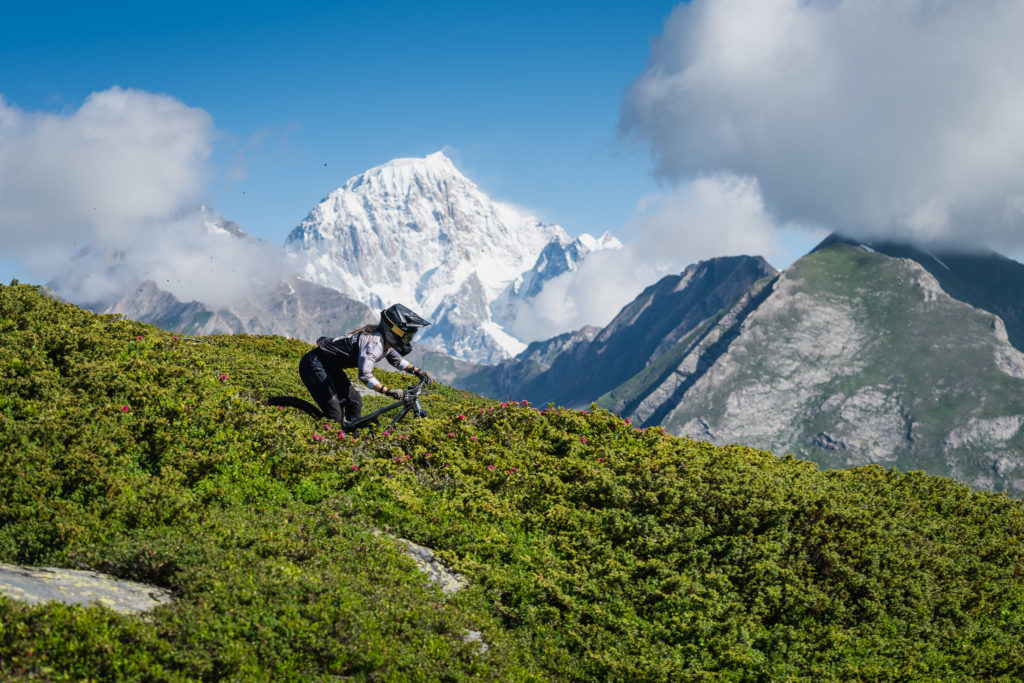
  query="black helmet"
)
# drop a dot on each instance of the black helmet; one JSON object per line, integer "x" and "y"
{"x": 399, "y": 325}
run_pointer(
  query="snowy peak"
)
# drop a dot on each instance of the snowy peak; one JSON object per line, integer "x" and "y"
{"x": 418, "y": 231}
{"x": 435, "y": 170}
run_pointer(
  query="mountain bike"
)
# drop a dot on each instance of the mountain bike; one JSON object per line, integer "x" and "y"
{"x": 410, "y": 403}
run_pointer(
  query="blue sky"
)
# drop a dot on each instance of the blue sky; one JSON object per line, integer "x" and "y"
{"x": 524, "y": 96}
{"x": 752, "y": 126}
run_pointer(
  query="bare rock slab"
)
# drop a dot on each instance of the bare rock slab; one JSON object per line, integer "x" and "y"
{"x": 76, "y": 587}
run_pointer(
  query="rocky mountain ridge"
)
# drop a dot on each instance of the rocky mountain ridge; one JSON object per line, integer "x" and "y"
{"x": 657, "y": 319}
{"x": 857, "y": 354}
{"x": 859, "y": 358}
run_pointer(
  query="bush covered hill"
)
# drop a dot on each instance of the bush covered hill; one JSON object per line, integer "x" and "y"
{"x": 593, "y": 550}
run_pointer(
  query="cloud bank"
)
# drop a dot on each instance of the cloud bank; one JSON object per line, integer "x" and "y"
{"x": 899, "y": 119}
{"x": 123, "y": 158}
{"x": 113, "y": 189}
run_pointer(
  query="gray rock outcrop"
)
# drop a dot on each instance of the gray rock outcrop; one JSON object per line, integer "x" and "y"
{"x": 76, "y": 587}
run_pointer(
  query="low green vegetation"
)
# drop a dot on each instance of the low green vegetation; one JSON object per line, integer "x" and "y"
{"x": 593, "y": 550}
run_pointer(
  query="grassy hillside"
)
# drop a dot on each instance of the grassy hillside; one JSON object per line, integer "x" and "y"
{"x": 594, "y": 551}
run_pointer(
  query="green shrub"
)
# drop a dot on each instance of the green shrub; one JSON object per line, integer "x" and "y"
{"x": 594, "y": 551}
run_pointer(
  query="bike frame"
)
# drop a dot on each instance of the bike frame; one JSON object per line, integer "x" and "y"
{"x": 411, "y": 402}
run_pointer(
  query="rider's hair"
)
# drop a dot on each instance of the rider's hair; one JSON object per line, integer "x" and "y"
{"x": 366, "y": 329}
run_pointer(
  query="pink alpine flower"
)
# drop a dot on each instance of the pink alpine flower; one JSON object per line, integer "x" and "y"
{"x": 139, "y": 338}
{"x": 355, "y": 467}
{"x": 223, "y": 377}
{"x": 125, "y": 409}
{"x": 472, "y": 438}
{"x": 629, "y": 421}
{"x": 490, "y": 467}
{"x": 583, "y": 439}
{"x": 461, "y": 417}
{"x": 451, "y": 434}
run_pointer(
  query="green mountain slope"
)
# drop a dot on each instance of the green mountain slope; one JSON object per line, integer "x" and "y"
{"x": 593, "y": 550}
{"x": 987, "y": 281}
{"x": 856, "y": 358}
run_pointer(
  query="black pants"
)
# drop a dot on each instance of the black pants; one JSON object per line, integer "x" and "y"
{"x": 330, "y": 388}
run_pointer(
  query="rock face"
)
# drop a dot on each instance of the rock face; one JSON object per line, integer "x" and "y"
{"x": 853, "y": 357}
{"x": 509, "y": 378}
{"x": 74, "y": 587}
{"x": 417, "y": 231}
{"x": 294, "y": 308}
{"x": 428, "y": 563}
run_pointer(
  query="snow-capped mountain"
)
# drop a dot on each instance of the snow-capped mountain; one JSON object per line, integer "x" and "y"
{"x": 419, "y": 232}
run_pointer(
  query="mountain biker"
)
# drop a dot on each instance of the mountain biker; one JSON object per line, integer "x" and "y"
{"x": 322, "y": 369}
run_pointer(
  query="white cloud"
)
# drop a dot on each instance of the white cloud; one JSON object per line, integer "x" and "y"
{"x": 712, "y": 216}
{"x": 113, "y": 190}
{"x": 125, "y": 157}
{"x": 183, "y": 256}
{"x": 592, "y": 294}
{"x": 717, "y": 215}
{"x": 874, "y": 117}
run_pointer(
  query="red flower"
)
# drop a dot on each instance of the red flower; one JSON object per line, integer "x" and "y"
{"x": 125, "y": 409}
{"x": 355, "y": 467}
{"x": 223, "y": 377}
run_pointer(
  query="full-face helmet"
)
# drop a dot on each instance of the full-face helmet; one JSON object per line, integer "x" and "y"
{"x": 399, "y": 325}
